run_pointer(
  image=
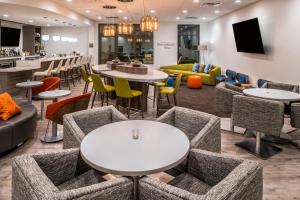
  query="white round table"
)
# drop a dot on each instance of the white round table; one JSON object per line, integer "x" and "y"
{"x": 29, "y": 85}
{"x": 113, "y": 149}
{"x": 54, "y": 95}
{"x": 272, "y": 94}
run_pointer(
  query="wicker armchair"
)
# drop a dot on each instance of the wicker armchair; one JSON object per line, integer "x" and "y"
{"x": 78, "y": 124}
{"x": 209, "y": 176}
{"x": 63, "y": 176}
{"x": 202, "y": 129}
{"x": 281, "y": 86}
{"x": 262, "y": 116}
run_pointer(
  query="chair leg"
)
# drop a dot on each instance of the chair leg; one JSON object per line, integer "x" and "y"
{"x": 102, "y": 99}
{"x": 154, "y": 97}
{"x": 168, "y": 99}
{"x": 67, "y": 79}
{"x": 107, "y": 98}
{"x": 72, "y": 77}
{"x": 94, "y": 99}
{"x": 158, "y": 101}
{"x": 175, "y": 100}
{"x": 129, "y": 107}
{"x": 142, "y": 106}
{"x": 42, "y": 109}
{"x": 84, "y": 90}
{"x": 117, "y": 103}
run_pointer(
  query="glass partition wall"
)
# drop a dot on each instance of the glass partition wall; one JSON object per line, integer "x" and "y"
{"x": 188, "y": 41}
{"x": 126, "y": 47}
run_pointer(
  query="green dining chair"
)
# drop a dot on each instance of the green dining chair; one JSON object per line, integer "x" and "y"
{"x": 101, "y": 88}
{"x": 165, "y": 90}
{"x": 86, "y": 78}
{"x": 123, "y": 90}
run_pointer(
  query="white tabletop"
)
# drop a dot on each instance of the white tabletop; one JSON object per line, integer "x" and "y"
{"x": 272, "y": 94}
{"x": 112, "y": 149}
{"x": 152, "y": 75}
{"x": 54, "y": 94}
{"x": 29, "y": 84}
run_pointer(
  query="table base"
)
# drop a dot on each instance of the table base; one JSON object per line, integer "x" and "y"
{"x": 53, "y": 139}
{"x": 266, "y": 150}
{"x": 135, "y": 187}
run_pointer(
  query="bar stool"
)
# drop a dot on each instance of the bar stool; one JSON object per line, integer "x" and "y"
{"x": 101, "y": 88}
{"x": 45, "y": 73}
{"x": 123, "y": 90}
{"x": 65, "y": 71}
{"x": 56, "y": 71}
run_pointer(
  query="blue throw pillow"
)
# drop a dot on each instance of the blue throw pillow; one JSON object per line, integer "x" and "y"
{"x": 195, "y": 67}
{"x": 170, "y": 81}
{"x": 207, "y": 68}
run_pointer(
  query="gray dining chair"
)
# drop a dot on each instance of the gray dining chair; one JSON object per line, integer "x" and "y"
{"x": 209, "y": 176}
{"x": 224, "y": 93}
{"x": 202, "y": 129}
{"x": 281, "y": 86}
{"x": 295, "y": 121}
{"x": 78, "y": 124}
{"x": 261, "y": 116}
{"x": 62, "y": 175}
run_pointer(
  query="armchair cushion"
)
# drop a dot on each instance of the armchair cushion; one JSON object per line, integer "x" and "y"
{"x": 8, "y": 107}
{"x": 190, "y": 183}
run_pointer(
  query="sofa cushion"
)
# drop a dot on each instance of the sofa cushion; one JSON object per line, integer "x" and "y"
{"x": 195, "y": 67}
{"x": 190, "y": 183}
{"x": 8, "y": 107}
{"x": 206, "y": 68}
{"x": 90, "y": 177}
{"x": 201, "y": 68}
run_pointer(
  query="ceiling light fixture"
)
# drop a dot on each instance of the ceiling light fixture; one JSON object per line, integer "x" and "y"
{"x": 5, "y": 15}
{"x": 204, "y": 18}
{"x": 177, "y": 18}
{"x": 109, "y": 29}
{"x": 125, "y": 28}
{"x": 195, "y": 1}
{"x": 217, "y": 11}
{"x": 148, "y": 23}
{"x": 125, "y": 17}
{"x": 238, "y": 1}
{"x": 69, "y": 0}
{"x": 99, "y": 17}
{"x": 88, "y": 11}
{"x": 30, "y": 21}
{"x": 152, "y": 11}
{"x": 48, "y": 24}
{"x": 120, "y": 11}
{"x": 185, "y": 11}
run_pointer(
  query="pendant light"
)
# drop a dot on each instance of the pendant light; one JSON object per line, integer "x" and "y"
{"x": 109, "y": 29}
{"x": 148, "y": 23}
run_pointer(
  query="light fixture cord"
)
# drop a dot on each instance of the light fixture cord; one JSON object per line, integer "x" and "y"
{"x": 144, "y": 7}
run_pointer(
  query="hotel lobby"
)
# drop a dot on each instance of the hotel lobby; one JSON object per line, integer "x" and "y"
{"x": 149, "y": 100}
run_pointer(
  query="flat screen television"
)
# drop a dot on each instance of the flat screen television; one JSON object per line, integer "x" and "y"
{"x": 248, "y": 37}
{"x": 10, "y": 37}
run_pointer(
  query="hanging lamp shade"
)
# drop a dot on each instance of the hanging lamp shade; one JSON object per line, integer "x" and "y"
{"x": 125, "y": 28}
{"x": 149, "y": 24}
{"x": 109, "y": 31}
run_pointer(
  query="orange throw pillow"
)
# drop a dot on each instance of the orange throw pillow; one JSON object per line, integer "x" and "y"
{"x": 8, "y": 107}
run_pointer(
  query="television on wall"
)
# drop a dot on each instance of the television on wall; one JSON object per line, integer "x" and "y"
{"x": 248, "y": 37}
{"x": 10, "y": 37}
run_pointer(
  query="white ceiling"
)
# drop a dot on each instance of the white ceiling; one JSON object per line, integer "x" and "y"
{"x": 34, "y": 16}
{"x": 166, "y": 10}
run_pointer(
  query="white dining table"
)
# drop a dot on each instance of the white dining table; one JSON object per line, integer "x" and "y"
{"x": 135, "y": 148}
{"x": 272, "y": 94}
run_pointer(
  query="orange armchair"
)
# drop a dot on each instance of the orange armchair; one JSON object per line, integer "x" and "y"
{"x": 49, "y": 83}
{"x": 56, "y": 111}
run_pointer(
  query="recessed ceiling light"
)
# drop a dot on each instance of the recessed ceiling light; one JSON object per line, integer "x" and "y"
{"x": 125, "y": 18}
{"x": 5, "y": 15}
{"x": 30, "y": 21}
{"x": 152, "y": 11}
{"x": 204, "y": 18}
{"x": 217, "y": 11}
{"x": 185, "y": 11}
{"x": 48, "y": 24}
{"x": 195, "y": 1}
{"x": 120, "y": 11}
{"x": 69, "y": 0}
{"x": 177, "y": 18}
{"x": 238, "y": 1}
{"x": 87, "y": 11}
{"x": 99, "y": 17}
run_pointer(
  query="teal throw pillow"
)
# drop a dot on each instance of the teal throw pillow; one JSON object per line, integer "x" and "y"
{"x": 195, "y": 67}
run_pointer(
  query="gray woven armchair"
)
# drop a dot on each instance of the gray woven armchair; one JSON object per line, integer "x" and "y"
{"x": 281, "y": 86}
{"x": 63, "y": 175}
{"x": 78, "y": 124}
{"x": 224, "y": 94}
{"x": 209, "y": 176}
{"x": 202, "y": 129}
{"x": 261, "y": 116}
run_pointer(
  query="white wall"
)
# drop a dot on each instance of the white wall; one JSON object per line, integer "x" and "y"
{"x": 279, "y": 23}
{"x": 167, "y": 33}
{"x": 81, "y": 46}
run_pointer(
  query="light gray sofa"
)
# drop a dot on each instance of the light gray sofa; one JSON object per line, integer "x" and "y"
{"x": 78, "y": 124}
{"x": 209, "y": 176}
{"x": 63, "y": 176}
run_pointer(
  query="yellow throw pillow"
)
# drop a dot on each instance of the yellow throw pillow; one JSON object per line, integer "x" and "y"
{"x": 8, "y": 107}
